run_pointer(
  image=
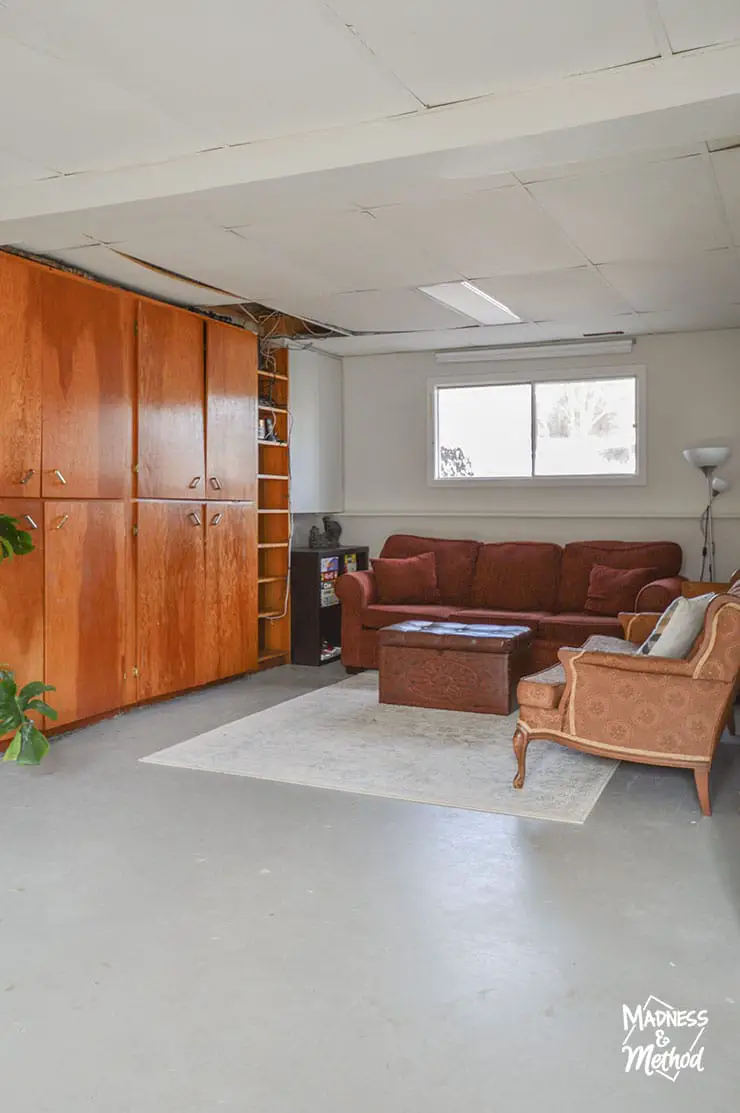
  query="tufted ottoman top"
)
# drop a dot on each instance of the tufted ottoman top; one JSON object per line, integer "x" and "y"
{"x": 462, "y": 636}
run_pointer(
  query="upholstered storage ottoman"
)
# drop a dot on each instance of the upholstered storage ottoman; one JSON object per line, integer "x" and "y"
{"x": 452, "y": 666}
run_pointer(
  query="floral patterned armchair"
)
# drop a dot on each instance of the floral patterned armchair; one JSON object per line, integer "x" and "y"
{"x": 632, "y": 707}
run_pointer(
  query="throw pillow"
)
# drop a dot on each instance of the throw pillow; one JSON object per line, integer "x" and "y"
{"x": 658, "y": 629}
{"x": 611, "y": 590}
{"x": 407, "y": 580}
{"x": 683, "y": 627}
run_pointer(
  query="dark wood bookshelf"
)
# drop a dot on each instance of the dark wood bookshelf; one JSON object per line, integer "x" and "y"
{"x": 314, "y": 624}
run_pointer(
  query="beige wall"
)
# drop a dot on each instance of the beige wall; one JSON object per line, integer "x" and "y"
{"x": 693, "y": 397}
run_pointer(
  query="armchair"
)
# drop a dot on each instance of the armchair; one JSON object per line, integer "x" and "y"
{"x": 654, "y": 710}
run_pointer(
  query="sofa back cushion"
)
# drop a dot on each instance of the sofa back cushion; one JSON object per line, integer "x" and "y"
{"x": 455, "y": 562}
{"x": 580, "y": 556}
{"x": 407, "y": 579}
{"x": 517, "y": 576}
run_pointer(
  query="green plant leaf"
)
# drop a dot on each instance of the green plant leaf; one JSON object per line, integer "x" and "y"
{"x": 33, "y": 745}
{"x": 30, "y": 691}
{"x": 39, "y": 705}
{"x": 11, "y": 754}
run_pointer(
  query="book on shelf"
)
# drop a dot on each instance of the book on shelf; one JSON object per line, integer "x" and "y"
{"x": 329, "y": 574}
{"x": 350, "y": 562}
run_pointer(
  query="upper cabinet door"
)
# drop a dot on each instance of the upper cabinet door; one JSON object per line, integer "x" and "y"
{"x": 231, "y": 422}
{"x": 86, "y": 607}
{"x": 20, "y": 378}
{"x": 171, "y": 453}
{"x": 88, "y": 380}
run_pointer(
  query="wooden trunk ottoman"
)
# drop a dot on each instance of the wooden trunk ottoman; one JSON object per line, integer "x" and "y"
{"x": 453, "y": 666}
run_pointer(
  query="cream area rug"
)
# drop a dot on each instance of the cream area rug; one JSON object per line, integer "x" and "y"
{"x": 341, "y": 738}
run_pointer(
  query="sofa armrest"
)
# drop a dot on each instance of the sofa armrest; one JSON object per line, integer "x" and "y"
{"x": 357, "y": 590}
{"x": 624, "y": 662}
{"x": 657, "y": 595}
{"x": 637, "y": 627}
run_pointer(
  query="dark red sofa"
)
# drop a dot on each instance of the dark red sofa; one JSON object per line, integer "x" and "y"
{"x": 535, "y": 583}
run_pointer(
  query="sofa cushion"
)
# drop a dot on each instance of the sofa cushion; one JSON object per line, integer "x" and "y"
{"x": 517, "y": 576}
{"x": 378, "y": 615}
{"x": 611, "y": 590}
{"x": 580, "y": 556}
{"x": 407, "y": 580}
{"x": 574, "y": 628}
{"x": 455, "y": 562}
{"x": 501, "y": 618}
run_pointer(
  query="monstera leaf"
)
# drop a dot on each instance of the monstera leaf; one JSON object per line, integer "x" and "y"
{"x": 14, "y": 541}
{"x": 28, "y": 745}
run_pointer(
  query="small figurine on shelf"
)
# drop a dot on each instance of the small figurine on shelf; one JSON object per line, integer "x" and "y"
{"x": 270, "y": 429}
{"x": 329, "y": 539}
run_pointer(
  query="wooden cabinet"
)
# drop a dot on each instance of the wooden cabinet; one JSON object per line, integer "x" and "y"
{"x": 231, "y": 413}
{"x": 88, "y": 388}
{"x": 170, "y": 596}
{"x": 231, "y": 590}
{"x": 86, "y": 606}
{"x": 22, "y": 597}
{"x": 20, "y": 378}
{"x": 171, "y": 399}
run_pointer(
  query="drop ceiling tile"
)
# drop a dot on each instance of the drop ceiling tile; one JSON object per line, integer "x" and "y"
{"x": 612, "y": 165}
{"x": 501, "y": 231}
{"x": 350, "y": 251}
{"x": 20, "y": 171}
{"x": 646, "y": 212}
{"x": 686, "y": 283}
{"x": 235, "y": 71}
{"x": 377, "y": 311}
{"x": 447, "y": 54}
{"x": 590, "y": 326}
{"x": 433, "y": 340}
{"x": 72, "y": 120}
{"x": 692, "y": 24}
{"x": 688, "y": 320}
{"x": 555, "y": 295}
{"x": 106, "y": 263}
{"x": 727, "y": 170}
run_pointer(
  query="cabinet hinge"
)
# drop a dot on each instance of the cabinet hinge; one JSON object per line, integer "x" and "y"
{"x": 135, "y": 531}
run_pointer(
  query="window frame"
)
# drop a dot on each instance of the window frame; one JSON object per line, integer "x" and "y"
{"x": 542, "y": 375}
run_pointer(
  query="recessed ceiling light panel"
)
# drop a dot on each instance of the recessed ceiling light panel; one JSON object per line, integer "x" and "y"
{"x": 467, "y": 299}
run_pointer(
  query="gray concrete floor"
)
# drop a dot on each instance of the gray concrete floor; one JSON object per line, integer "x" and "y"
{"x": 180, "y": 942}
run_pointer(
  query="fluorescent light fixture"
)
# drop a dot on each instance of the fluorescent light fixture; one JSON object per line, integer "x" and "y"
{"x": 538, "y": 351}
{"x": 466, "y": 298}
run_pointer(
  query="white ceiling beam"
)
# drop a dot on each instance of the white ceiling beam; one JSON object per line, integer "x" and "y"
{"x": 574, "y": 117}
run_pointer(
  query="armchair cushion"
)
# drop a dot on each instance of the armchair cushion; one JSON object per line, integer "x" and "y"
{"x": 611, "y": 590}
{"x": 675, "y": 637}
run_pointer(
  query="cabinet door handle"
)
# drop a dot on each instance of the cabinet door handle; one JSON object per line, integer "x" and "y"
{"x": 216, "y": 519}
{"x": 215, "y": 483}
{"x": 31, "y": 523}
{"x": 62, "y": 521}
{"x": 28, "y": 477}
{"x": 194, "y": 518}
{"x": 194, "y": 482}
{"x": 60, "y": 477}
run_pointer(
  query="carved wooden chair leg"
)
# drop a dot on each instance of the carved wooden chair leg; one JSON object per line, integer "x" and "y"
{"x": 521, "y": 741}
{"x": 701, "y": 776}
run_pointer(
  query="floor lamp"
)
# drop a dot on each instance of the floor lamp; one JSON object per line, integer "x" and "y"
{"x": 707, "y": 460}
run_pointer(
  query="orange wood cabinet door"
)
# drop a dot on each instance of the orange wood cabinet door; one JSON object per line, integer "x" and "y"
{"x": 231, "y": 412}
{"x": 20, "y": 379}
{"x": 86, "y": 604}
{"x": 170, "y": 596}
{"x": 230, "y": 642}
{"x": 171, "y": 419}
{"x": 22, "y": 597}
{"x": 88, "y": 389}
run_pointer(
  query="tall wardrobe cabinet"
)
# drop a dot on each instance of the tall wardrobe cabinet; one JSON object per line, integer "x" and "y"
{"x": 128, "y": 442}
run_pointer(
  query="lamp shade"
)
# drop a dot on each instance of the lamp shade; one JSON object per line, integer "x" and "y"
{"x": 710, "y": 456}
{"x": 720, "y": 485}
